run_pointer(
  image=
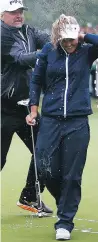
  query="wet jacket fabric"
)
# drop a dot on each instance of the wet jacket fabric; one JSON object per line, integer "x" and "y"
{"x": 18, "y": 57}
{"x": 65, "y": 79}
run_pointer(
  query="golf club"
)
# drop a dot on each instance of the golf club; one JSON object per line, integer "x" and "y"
{"x": 37, "y": 184}
{"x": 96, "y": 89}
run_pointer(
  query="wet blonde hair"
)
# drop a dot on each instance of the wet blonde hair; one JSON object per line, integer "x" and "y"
{"x": 59, "y": 25}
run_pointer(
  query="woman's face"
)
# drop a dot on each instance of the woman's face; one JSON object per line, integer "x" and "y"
{"x": 69, "y": 45}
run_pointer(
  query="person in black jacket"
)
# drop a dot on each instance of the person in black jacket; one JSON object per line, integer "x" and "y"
{"x": 63, "y": 70}
{"x": 19, "y": 44}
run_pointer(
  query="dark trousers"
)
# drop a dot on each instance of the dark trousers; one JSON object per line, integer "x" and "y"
{"x": 13, "y": 121}
{"x": 61, "y": 151}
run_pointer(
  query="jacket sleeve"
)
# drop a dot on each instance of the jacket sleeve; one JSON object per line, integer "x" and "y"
{"x": 41, "y": 38}
{"x": 39, "y": 77}
{"x": 92, "y": 39}
{"x": 14, "y": 53}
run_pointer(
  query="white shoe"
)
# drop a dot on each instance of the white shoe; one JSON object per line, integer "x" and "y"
{"x": 62, "y": 234}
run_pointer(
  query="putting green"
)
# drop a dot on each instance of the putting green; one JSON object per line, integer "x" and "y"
{"x": 19, "y": 225}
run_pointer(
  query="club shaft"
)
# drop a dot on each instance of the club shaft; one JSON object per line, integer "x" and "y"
{"x": 33, "y": 146}
{"x": 36, "y": 175}
{"x": 37, "y": 184}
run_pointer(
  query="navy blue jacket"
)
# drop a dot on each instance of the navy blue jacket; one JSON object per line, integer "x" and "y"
{"x": 65, "y": 79}
{"x": 18, "y": 57}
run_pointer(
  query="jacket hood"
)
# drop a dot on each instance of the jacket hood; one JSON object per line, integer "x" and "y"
{"x": 61, "y": 51}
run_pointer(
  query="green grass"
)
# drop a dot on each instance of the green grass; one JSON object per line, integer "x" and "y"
{"x": 19, "y": 225}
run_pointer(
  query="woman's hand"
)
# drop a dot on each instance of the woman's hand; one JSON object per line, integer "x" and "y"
{"x": 81, "y": 37}
{"x": 31, "y": 118}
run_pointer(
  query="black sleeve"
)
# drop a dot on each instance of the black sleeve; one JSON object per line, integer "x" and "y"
{"x": 41, "y": 38}
{"x": 14, "y": 53}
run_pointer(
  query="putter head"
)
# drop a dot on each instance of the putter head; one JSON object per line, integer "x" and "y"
{"x": 40, "y": 212}
{"x": 23, "y": 102}
{"x": 40, "y": 215}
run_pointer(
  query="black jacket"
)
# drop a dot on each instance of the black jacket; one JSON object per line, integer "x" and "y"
{"x": 65, "y": 79}
{"x": 18, "y": 56}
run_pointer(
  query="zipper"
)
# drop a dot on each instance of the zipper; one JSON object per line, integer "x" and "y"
{"x": 28, "y": 38}
{"x": 28, "y": 44}
{"x": 23, "y": 41}
{"x": 27, "y": 41}
{"x": 67, "y": 79}
{"x": 11, "y": 91}
{"x": 66, "y": 89}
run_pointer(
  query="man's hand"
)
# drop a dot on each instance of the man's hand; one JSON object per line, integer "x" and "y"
{"x": 31, "y": 118}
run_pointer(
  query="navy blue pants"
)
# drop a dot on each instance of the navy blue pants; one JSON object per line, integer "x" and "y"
{"x": 61, "y": 151}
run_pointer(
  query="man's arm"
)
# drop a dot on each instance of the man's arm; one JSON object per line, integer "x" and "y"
{"x": 41, "y": 38}
{"x": 14, "y": 53}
